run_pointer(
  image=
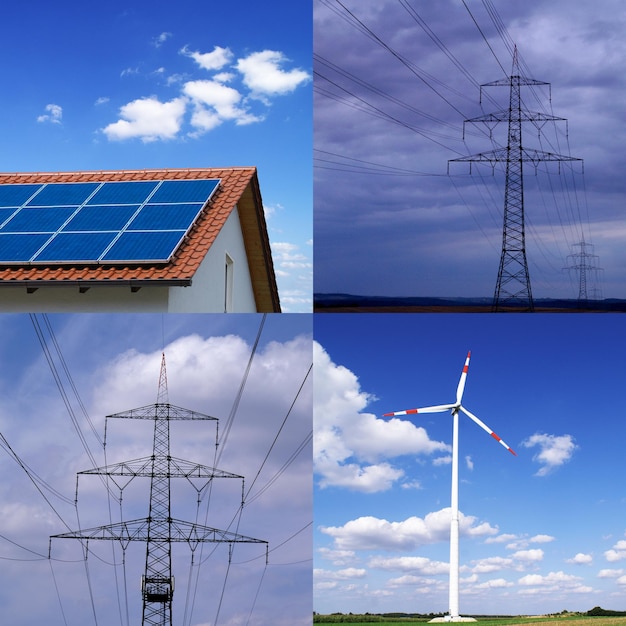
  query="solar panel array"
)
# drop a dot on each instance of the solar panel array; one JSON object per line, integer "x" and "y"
{"x": 98, "y": 222}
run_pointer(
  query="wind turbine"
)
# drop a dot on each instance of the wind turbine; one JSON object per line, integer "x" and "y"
{"x": 454, "y": 522}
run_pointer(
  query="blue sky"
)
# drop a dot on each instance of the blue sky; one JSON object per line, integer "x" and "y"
{"x": 150, "y": 85}
{"x": 389, "y": 115}
{"x": 114, "y": 364}
{"x": 540, "y": 532}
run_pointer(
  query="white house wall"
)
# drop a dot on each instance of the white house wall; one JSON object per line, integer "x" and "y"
{"x": 59, "y": 299}
{"x": 206, "y": 293}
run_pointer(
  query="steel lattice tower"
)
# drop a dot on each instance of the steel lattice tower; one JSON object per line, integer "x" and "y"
{"x": 513, "y": 284}
{"x": 159, "y": 530}
{"x": 583, "y": 262}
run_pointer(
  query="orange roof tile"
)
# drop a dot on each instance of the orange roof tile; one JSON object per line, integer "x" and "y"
{"x": 238, "y": 187}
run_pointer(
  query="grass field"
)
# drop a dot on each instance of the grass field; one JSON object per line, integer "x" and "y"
{"x": 556, "y": 621}
{"x": 512, "y": 621}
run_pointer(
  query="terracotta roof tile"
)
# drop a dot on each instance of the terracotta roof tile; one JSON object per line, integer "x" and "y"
{"x": 239, "y": 186}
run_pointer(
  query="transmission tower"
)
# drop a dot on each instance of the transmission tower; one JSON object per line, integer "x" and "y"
{"x": 583, "y": 262}
{"x": 513, "y": 284}
{"x": 159, "y": 530}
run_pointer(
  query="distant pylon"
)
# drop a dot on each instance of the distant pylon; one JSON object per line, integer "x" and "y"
{"x": 583, "y": 262}
{"x": 162, "y": 395}
{"x": 513, "y": 291}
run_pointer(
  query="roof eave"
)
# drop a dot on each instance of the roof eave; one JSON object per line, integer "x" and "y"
{"x": 258, "y": 249}
{"x": 154, "y": 282}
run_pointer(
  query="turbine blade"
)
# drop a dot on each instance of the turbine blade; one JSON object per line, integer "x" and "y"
{"x": 461, "y": 387}
{"x": 427, "y": 409}
{"x": 487, "y": 429}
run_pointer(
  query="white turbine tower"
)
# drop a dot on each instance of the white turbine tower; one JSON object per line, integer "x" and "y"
{"x": 454, "y": 522}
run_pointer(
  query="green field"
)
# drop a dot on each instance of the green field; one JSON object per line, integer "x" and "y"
{"x": 509, "y": 621}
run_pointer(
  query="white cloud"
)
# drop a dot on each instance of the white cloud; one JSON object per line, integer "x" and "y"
{"x": 212, "y": 100}
{"x": 148, "y": 119}
{"x": 501, "y": 538}
{"x": 204, "y": 120}
{"x": 224, "y": 77}
{"x": 497, "y": 583}
{"x": 421, "y": 584}
{"x": 415, "y": 564}
{"x": 494, "y": 564}
{"x": 215, "y": 103}
{"x": 581, "y": 559}
{"x": 517, "y": 542}
{"x": 554, "y": 450}
{"x": 222, "y": 99}
{"x": 352, "y": 448}
{"x": 295, "y": 271}
{"x": 129, "y": 71}
{"x": 610, "y": 573}
{"x": 262, "y": 73}
{"x": 372, "y": 533}
{"x": 528, "y": 555}
{"x": 340, "y": 574}
{"x": 215, "y": 60}
{"x": 469, "y": 463}
{"x": 552, "y": 583}
{"x": 617, "y": 553}
{"x": 339, "y": 558}
{"x": 413, "y": 484}
{"x": 54, "y": 114}
{"x": 368, "y": 479}
{"x": 159, "y": 40}
{"x": 287, "y": 251}
{"x": 102, "y": 100}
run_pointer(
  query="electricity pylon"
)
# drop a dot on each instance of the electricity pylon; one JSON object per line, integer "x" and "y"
{"x": 513, "y": 284}
{"x": 159, "y": 530}
{"x": 583, "y": 262}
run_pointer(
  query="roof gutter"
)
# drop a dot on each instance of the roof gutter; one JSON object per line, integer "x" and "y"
{"x": 85, "y": 284}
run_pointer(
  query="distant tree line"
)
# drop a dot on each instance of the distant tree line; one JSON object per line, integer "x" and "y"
{"x": 347, "y": 618}
{"x": 598, "y": 611}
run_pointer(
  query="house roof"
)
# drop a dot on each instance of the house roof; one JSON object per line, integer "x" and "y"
{"x": 238, "y": 187}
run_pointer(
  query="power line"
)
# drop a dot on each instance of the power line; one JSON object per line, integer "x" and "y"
{"x": 484, "y": 37}
{"x": 306, "y": 376}
{"x": 237, "y": 400}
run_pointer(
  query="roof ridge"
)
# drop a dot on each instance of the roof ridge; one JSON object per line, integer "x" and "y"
{"x": 130, "y": 171}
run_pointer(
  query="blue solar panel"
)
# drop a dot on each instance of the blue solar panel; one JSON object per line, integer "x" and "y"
{"x": 16, "y": 195}
{"x": 144, "y": 246}
{"x": 38, "y": 220}
{"x": 67, "y": 247}
{"x": 185, "y": 191}
{"x": 15, "y": 247}
{"x": 63, "y": 194}
{"x": 101, "y": 218}
{"x": 5, "y": 214}
{"x": 139, "y": 221}
{"x": 124, "y": 192}
{"x": 165, "y": 217}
